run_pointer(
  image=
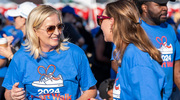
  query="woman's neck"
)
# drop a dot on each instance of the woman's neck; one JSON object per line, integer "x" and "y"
{"x": 23, "y": 29}
{"x": 47, "y": 49}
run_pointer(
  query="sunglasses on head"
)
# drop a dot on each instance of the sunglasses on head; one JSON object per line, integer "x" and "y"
{"x": 50, "y": 30}
{"x": 100, "y": 18}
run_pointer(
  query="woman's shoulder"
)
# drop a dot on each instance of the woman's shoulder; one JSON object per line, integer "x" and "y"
{"x": 21, "y": 52}
{"x": 74, "y": 48}
{"x": 133, "y": 51}
{"x": 74, "y": 51}
{"x": 136, "y": 55}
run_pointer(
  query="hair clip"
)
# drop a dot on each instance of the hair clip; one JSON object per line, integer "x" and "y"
{"x": 137, "y": 23}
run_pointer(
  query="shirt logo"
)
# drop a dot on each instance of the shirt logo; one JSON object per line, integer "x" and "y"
{"x": 116, "y": 90}
{"x": 164, "y": 47}
{"x": 48, "y": 80}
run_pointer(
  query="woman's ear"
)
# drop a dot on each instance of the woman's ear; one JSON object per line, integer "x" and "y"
{"x": 36, "y": 32}
{"x": 23, "y": 20}
{"x": 112, "y": 21}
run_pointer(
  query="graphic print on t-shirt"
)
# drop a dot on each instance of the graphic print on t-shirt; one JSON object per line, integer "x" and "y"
{"x": 116, "y": 90}
{"x": 164, "y": 47}
{"x": 166, "y": 51}
{"x": 48, "y": 80}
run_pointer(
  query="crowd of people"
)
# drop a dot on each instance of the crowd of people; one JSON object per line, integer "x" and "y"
{"x": 134, "y": 53}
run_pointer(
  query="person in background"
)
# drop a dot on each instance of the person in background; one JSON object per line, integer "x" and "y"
{"x": 20, "y": 15}
{"x": 70, "y": 31}
{"x": 101, "y": 64}
{"x": 2, "y": 23}
{"x": 3, "y": 69}
{"x": 175, "y": 92}
{"x": 162, "y": 35}
{"x": 178, "y": 29}
{"x": 114, "y": 65}
{"x": 3, "y": 61}
{"x": 139, "y": 74}
{"x": 48, "y": 66}
{"x": 10, "y": 30}
{"x": 106, "y": 89}
{"x": 88, "y": 46}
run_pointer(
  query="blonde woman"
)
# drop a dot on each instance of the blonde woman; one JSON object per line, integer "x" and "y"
{"x": 48, "y": 67}
{"x": 139, "y": 75}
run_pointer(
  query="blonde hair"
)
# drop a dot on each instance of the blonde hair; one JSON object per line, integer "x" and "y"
{"x": 126, "y": 29}
{"x": 34, "y": 22}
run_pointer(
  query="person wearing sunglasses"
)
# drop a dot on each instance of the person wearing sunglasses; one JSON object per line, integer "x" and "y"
{"x": 139, "y": 75}
{"x": 20, "y": 14}
{"x": 48, "y": 67}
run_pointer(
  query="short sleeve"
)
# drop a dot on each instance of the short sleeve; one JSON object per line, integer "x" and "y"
{"x": 85, "y": 75}
{"x": 2, "y": 57}
{"x": 12, "y": 76}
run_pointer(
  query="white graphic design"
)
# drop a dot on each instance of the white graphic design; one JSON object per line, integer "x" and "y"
{"x": 116, "y": 90}
{"x": 165, "y": 49}
{"x": 49, "y": 81}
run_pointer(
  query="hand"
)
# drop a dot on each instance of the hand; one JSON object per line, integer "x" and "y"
{"x": 17, "y": 93}
{"x": 9, "y": 38}
{"x": 94, "y": 99}
{"x": 6, "y": 51}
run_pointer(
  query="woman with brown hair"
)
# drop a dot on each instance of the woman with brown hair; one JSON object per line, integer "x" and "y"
{"x": 139, "y": 75}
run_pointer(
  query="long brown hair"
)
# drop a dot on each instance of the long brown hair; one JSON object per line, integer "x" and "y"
{"x": 126, "y": 29}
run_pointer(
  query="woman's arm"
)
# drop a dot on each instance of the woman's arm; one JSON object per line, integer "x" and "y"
{"x": 90, "y": 93}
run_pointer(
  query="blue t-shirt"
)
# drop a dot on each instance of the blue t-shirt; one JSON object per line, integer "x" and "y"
{"x": 139, "y": 77}
{"x": 10, "y": 30}
{"x": 165, "y": 40}
{"x": 56, "y": 76}
{"x": 114, "y": 47}
{"x": 113, "y": 74}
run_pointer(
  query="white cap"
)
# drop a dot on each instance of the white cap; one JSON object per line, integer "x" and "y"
{"x": 22, "y": 10}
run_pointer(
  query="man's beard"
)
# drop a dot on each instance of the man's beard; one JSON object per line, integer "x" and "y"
{"x": 158, "y": 20}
